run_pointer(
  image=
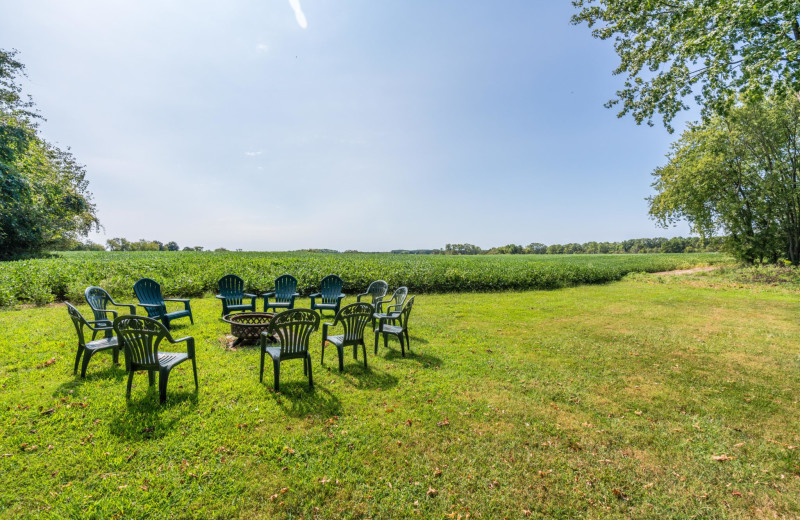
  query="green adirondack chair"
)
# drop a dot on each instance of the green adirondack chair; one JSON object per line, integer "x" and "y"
{"x": 149, "y": 294}
{"x": 395, "y": 324}
{"x": 99, "y": 300}
{"x": 330, "y": 294}
{"x": 292, "y": 329}
{"x": 231, "y": 292}
{"x": 354, "y": 318}
{"x": 284, "y": 293}
{"x": 142, "y": 337}
{"x": 87, "y": 349}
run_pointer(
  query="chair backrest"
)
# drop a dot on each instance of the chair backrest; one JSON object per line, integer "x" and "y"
{"x": 148, "y": 291}
{"x": 78, "y": 320}
{"x": 330, "y": 288}
{"x": 98, "y": 299}
{"x": 399, "y": 295}
{"x": 294, "y": 328}
{"x": 354, "y": 318}
{"x": 285, "y": 287}
{"x": 404, "y": 314}
{"x": 377, "y": 289}
{"x": 141, "y": 337}
{"x": 231, "y": 287}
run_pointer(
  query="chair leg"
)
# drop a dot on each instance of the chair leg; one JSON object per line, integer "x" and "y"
{"x": 151, "y": 377}
{"x": 402, "y": 345}
{"x": 130, "y": 380}
{"x": 408, "y": 341}
{"x": 115, "y": 356}
{"x": 376, "y": 342}
{"x": 87, "y": 355}
{"x": 341, "y": 358}
{"x": 194, "y": 369}
{"x": 355, "y": 352}
{"x": 310, "y": 377}
{"x": 305, "y": 366}
{"x": 276, "y": 368}
{"x": 385, "y": 341}
{"x": 322, "y": 358}
{"x": 191, "y": 319}
{"x": 165, "y": 321}
{"x": 261, "y": 374}
{"x": 163, "y": 378}
{"x": 364, "y": 346}
{"x": 78, "y": 359}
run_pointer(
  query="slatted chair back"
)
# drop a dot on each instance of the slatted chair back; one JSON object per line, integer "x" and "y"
{"x": 377, "y": 290}
{"x": 330, "y": 288}
{"x": 293, "y": 329}
{"x": 285, "y": 288}
{"x": 142, "y": 337}
{"x": 98, "y": 299}
{"x": 354, "y": 318}
{"x": 406, "y": 313}
{"x": 78, "y": 321}
{"x": 149, "y": 291}
{"x": 231, "y": 287}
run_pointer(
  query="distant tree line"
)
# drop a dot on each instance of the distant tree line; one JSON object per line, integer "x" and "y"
{"x": 636, "y": 245}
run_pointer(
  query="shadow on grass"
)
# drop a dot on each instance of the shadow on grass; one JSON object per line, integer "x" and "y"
{"x": 144, "y": 418}
{"x": 393, "y": 354}
{"x": 361, "y": 377}
{"x": 115, "y": 372}
{"x": 298, "y": 400}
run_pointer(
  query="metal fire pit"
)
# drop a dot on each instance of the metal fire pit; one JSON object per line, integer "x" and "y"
{"x": 248, "y": 326}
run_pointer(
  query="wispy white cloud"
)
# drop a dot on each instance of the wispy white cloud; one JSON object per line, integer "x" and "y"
{"x": 262, "y": 47}
{"x": 253, "y": 154}
{"x": 298, "y": 13}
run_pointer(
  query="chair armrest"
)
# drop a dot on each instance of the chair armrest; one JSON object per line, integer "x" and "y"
{"x": 219, "y": 296}
{"x": 268, "y": 294}
{"x": 341, "y": 295}
{"x": 189, "y": 340}
{"x": 185, "y": 302}
{"x": 150, "y": 305}
{"x": 130, "y": 307}
{"x": 248, "y": 295}
{"x": 315, "y": 295}
{"x": 93, "y": 325}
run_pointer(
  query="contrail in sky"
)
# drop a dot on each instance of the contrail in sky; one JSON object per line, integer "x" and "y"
{"x": 298, "y": 13}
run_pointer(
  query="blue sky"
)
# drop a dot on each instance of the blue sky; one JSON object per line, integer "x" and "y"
{"x": 376, "y": 126}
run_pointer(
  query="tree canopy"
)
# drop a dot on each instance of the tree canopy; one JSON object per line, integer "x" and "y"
{"x": 740, "y": 175}
{"x": 717, "y": 49}
{"x": 44, "y": 197}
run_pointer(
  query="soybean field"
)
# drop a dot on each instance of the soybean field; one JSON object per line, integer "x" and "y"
{"x": 186, "y": 274}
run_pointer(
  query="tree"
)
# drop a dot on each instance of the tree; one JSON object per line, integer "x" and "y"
{"x": 738, "y": 174}
{"x": 173, "y": 246}
{"x": 718, "y": 49}
{"x": 44, "y": 197}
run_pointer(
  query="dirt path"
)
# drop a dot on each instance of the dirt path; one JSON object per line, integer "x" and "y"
{"x": 692, "y": 270}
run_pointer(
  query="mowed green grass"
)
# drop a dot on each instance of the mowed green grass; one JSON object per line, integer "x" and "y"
{"x": 653, "y": 397}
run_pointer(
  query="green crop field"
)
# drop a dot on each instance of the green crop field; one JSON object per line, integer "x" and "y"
{"x": 651, "y": 397}
{"x": 185, "y": 274}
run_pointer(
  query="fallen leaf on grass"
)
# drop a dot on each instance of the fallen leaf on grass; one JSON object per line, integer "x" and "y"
{"x": 432, "y": 492}
{"x": 736, "y": 493}
{"x": 48, "y": 412}
{"x": 437, "y": 472}
{"x": 46, "y": 363}
{"x": 619, "y": 494}
{"x": 446, "y": 422}
{"x": 721, "y": 458}
{"x": 526, "y": 512}
{"x": 738, "y": 445}
{"x": 324, "y": 480}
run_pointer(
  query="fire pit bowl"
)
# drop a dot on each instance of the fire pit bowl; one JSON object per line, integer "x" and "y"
{"x": 248, "y": 326}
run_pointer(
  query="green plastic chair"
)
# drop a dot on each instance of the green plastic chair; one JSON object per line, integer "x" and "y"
{"x": 354, "y": 318}
{"x": 330, "y": 294}
{"x": 99, "y": 300}
{"x": 231, "y": 292}
{"x": 292, "y": 330}
{"x": 90, "y": 348}
{"x": 284, "y": 293}
{"x": 395, "y": 324}
{"x": 149, "y": 294}
{"x": 398, "y": 297}
{"x": 375, "y": 292}
{"x": 142, "y": 337}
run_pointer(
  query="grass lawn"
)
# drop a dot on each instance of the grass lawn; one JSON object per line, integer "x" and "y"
{"x": 654, "y": 397}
